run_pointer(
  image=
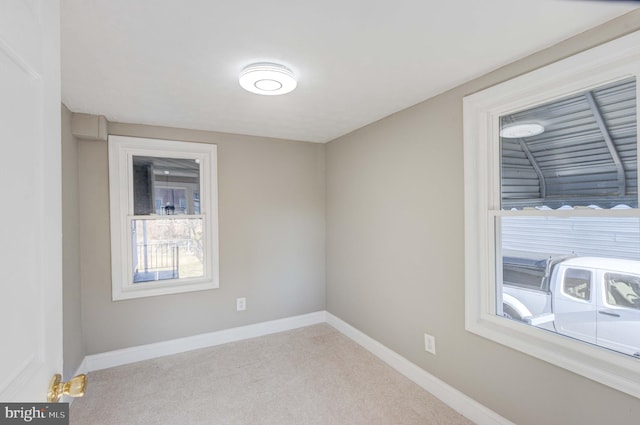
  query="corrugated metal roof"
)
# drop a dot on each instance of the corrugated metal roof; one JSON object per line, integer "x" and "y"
{"x": 586, "y": 155}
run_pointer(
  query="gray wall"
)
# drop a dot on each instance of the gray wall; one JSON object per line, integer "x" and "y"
{"x": 73, "y": 345}
{"x": 271, "y": 220}
{"x": 395, "y": 256}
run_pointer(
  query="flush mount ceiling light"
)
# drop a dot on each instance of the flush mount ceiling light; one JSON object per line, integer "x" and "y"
{"x": 514, "y": 131}
{"x": 267, "y": 78}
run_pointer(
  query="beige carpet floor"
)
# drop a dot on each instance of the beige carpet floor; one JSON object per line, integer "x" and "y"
{"x": 312, "y": 375}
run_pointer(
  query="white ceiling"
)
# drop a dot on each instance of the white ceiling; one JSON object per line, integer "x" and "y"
{"x": 176, "y": 62}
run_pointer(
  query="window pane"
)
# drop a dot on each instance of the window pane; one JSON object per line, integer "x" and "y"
{"x": 166, "y": 186}
{"x": 577, "y": 284}
{"x": 579, "y": 150}
{"x": 623, "y": 290}
{"x": 575, "y": 276}
{"x": 167, "y": 249}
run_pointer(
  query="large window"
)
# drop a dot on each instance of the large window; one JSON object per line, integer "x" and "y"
{"x": 551, "y": 213}
{"x": 163, "y": 217}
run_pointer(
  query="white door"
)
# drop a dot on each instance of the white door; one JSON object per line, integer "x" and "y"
{"x": 30, "y": 199}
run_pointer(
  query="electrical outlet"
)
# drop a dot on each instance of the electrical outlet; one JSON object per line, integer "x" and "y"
{"x": 241, "y": 304}
{"x": 430, "y": 343}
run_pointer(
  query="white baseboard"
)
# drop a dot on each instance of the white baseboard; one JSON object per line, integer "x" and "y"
{"x": 79, "y": 371}
{"x": 82, "y": 368}
{"x": 458, "y": 401}
{"x": 151, "y": 351}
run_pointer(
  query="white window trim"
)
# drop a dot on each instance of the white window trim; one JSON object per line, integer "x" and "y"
{"x": 121, "y": 152}
{"x": 609, "y": 62}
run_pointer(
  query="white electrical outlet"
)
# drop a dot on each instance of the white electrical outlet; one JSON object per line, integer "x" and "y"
{"x": 241, "y": 304}
{"x": 430, "y": 343}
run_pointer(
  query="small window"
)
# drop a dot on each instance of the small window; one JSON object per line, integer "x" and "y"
{"x": 577, "y": 284}
{"x": 163, "y": 217}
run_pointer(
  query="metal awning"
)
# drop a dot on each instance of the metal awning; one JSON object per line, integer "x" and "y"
{"x": 587, "y": 154}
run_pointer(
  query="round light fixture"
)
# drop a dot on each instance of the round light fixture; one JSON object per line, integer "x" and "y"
{"x": 514, "y": 131}
{"x": 269, "y": 79}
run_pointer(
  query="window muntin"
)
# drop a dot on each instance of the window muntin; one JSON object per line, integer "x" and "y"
{"x": 485, "y": 212}
{"x": 163, "y": 216}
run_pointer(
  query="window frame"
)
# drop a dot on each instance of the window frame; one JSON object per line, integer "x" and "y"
{"x": 600, "y": 65}
{"x": 122, "y": 149}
